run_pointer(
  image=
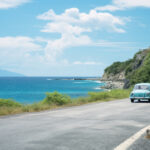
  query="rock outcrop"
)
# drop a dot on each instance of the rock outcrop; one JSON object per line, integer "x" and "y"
{"x": 111, "y": 77}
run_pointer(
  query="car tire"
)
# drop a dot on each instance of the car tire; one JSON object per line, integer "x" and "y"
{"x": 132, "y": 100}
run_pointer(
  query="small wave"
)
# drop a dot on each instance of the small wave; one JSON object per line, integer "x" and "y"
{"x": 97, "y": 88}
{"x": 49, "y": 79}
{"x": 98, "y": 81}
{"x": 79, "y": 82}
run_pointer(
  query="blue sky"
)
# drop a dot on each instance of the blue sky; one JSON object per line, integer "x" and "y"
{"x": 71, "y": 37}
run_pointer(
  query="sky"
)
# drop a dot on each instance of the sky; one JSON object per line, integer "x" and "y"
{"x": 71, "y": 37}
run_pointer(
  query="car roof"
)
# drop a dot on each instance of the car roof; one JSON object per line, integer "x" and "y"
{"x": 148, "y": 84}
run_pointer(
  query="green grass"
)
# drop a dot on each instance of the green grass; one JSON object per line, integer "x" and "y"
{"x": 56, "y": 100}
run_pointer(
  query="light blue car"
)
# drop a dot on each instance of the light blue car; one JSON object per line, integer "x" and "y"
{"x": 141, "y": 92}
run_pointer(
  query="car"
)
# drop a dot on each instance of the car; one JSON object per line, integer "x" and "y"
{"x": 141, "y": 92}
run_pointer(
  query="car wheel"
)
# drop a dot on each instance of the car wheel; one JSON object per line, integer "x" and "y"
{"x": 132, "y": 100}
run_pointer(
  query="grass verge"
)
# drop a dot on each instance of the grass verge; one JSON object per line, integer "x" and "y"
{"x": 56, "y": 100}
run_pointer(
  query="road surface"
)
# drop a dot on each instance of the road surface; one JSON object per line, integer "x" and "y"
{"x": 96, "y": 126}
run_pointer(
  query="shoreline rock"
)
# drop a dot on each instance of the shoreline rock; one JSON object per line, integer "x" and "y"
{"x": 113, "y": 85}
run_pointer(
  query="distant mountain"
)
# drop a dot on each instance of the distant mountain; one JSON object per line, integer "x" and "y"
{"x": 5, "y": 73}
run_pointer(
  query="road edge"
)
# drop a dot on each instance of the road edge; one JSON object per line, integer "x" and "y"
{"x": 127, "y": 143}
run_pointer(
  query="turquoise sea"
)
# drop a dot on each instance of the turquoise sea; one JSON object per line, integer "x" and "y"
{"x": 32, "y": 89}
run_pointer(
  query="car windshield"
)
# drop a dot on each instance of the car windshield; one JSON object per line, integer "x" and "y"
{"x": 141, "y": 87}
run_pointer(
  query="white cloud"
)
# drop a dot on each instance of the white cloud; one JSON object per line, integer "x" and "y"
{"x": 4, "y": 4}
{"x": 74, "y": 22}
{"x": 124, "y": 4}
{"x": 55, "y": 47}
{"x": 19, "y": 42}
{"x": 35, "y": 53}
{"x": 73, "y": 26}
{"x": 17, "y": 51}
{"x": 70, "y": 15}
{"x": 37, "y": 56}
{"x": 86, "y": 63}
{"x": 64, "y": 28}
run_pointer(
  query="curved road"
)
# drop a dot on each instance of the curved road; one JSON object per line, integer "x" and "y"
{"x": 97, "y": 126}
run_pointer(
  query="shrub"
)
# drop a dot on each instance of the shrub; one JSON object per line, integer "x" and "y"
{"x": 56, "y": 99}
{"x": 9, "y": 103}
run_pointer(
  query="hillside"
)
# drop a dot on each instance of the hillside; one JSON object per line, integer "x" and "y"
{"x": 132, "y": 71}
{"x": 5, "y": 73}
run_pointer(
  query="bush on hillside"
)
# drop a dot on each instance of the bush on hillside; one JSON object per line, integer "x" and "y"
{"x": 142, "y": 74}
{"x": 118, "y": 67}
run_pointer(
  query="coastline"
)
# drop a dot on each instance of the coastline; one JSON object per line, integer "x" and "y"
{"x": 109, "y": 84}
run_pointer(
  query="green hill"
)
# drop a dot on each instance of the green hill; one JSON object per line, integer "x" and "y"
{"x": 132, "y": 71}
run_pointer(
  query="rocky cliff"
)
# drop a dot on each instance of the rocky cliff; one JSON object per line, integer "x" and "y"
{"x": 131, "y": 71}
{"x": 111, "y": 77}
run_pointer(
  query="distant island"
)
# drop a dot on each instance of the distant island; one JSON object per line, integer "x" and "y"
{"x": 126, "y": 74}
{"x": 5, "y": 73}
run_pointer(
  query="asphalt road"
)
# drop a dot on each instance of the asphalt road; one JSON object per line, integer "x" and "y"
{"x": 97, "y": 126}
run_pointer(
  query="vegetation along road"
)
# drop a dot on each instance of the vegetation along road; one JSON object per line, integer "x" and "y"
{"x": 96, "y": 126}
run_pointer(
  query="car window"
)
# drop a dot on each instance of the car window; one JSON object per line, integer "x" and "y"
{"x": 141, "y": 87}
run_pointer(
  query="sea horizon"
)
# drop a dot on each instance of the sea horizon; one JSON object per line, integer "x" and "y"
{"x": 29, "y": 90}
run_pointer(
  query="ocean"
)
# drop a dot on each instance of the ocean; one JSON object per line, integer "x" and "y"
{"x": 28, "y": 90}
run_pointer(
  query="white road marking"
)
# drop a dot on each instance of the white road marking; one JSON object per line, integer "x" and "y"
{"x": 126, "y": 144}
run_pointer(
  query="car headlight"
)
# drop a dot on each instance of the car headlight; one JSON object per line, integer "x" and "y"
{"x": 132, "y": 94}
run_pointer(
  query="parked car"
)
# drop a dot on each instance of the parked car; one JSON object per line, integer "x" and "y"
{"x": 141, "y": 92}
